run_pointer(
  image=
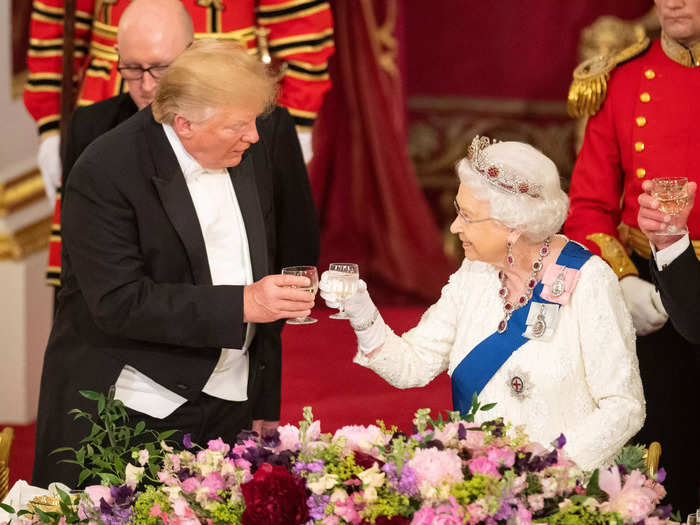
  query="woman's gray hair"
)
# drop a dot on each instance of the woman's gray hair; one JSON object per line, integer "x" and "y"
{"x": 536, "y": 218}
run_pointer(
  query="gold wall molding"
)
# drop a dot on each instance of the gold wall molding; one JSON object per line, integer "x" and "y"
{"x": 25, "y": 241}
{"x": 21, "y": 191}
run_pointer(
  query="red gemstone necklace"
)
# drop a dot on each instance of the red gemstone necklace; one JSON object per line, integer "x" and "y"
{"x": 509, "y": 307}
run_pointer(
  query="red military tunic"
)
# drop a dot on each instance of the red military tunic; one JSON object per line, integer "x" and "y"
{"x": 647, "y": 127}
{"x": 300, "y": 36}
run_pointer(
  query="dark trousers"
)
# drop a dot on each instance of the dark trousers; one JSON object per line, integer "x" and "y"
{"x": 670, "y": 368}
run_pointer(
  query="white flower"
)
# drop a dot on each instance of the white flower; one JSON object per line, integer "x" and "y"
{"x": 133, "y": 475}
{"x": 372, "y": 477}
{"x": 143, "y": 457}
{"x": 322, "y": 484}
{"x": 339, "y": 495}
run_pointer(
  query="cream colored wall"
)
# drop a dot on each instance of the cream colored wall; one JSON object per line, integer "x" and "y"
{"x": 25, "y": 301}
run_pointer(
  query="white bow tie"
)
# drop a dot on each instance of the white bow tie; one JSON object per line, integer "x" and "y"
{"x": 196, "y": 174}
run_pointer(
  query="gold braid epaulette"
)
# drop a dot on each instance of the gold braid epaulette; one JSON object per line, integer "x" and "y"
{"x": 590, "y": 84}
{"x": 614, "y": 253}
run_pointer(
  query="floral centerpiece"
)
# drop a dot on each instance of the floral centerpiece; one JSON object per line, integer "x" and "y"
{"x": 447, "y": 472}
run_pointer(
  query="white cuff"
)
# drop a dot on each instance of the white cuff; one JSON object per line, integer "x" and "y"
{"x": 669, "y": 254}
{"x": 372, "y": 337}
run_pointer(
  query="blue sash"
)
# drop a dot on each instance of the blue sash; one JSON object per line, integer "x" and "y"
{"x": 481, "y": 364}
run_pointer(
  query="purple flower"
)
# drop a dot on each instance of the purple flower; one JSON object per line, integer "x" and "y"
{"x": 317, "y": 505}
{"x": 314, "y": 466}
{"x": 121, "y": 495}
{"x": 187, "y": 441}
{"x": 560, "y": 441}
{"x": 461, "y": 432}
{"x": 661, "y": 475}
{"x": 408, "y": 484}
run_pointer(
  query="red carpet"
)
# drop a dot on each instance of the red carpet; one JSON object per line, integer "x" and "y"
{"x": 318, "y": 371}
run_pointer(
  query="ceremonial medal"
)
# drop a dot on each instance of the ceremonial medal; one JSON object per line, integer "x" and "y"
{"x": 558, "y": 286}
{"x": 540, "y": 325}
{"x": 519, "y": 383}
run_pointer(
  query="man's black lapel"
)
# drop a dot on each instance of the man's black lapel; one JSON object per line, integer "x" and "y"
{"x": 243, "y": 177}
{"x": 176, "y": 199}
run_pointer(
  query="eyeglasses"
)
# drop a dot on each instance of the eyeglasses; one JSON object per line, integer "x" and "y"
{"x": 466, "y": 219}
{"x": 137, "y": 72}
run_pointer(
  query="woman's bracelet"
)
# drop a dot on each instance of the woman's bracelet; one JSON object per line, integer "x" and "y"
{"x": 359, "y": 327}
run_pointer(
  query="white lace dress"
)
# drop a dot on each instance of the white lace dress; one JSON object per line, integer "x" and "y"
{"x": 584, "y": 382}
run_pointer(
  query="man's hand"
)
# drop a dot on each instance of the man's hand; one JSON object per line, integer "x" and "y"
{"x": 644, "y": 303}
{"x": 49, "y": 160}
{"x": 272, "y": 298}
{"x": 651, "y": 221}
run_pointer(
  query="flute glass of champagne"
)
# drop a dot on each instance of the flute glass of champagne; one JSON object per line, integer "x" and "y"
{"x": 672, "y": 194}
{"x": 343, "y": 279}
{"x": 312, "y": 274}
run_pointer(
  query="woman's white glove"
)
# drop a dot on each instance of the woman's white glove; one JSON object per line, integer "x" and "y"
{"x": 49, "y": 160}
{"x": 364, "y": 317}
{"x": 644, "y": 303}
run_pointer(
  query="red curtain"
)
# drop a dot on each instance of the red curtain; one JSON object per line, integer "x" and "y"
{"x": 372, "y": 209}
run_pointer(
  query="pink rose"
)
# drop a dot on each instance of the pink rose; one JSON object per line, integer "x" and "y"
{"x": 190, "y": 484}
{"x": 218, "y": 445}
{"x": 214, "y": 482}
{"x": 501, "y": 456}
{"x": 484, "y": 465}
{"x": 632, "y": 500}
{"x": 476, "y": 513}
{"x": 97, "y": 492}
{"x": 289, "y": 438}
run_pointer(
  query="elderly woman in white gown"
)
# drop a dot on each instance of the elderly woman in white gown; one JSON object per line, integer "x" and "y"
{"x": 531, "y": 321}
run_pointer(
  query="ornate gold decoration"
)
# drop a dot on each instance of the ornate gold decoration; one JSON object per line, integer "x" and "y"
{"x": 384, "y": 44}
{"x": 641, "y": 121}
{"x": 217, "y": 4}
{"x": 590, "y": 83}
{"x": 652, "y": 457}
{"x": 261, "y": 34}
{"x": 639, "y": 146}
{"x": 20, "y": 191}
{"x": 6, "y": 437}
{"x": 614, "y": 253}
{"x": 688, "y": 57}
{"x": 25, "y": 241}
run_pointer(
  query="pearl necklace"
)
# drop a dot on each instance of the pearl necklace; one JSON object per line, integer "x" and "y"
{"x": 508, "y": 307}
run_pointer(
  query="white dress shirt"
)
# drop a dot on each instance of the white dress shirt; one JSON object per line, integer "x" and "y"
{"x": 669, "y": 254}
{"x": 228, "y": 255}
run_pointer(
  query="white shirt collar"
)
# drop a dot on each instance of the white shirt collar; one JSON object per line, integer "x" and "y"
{"x": 191, "y": 169}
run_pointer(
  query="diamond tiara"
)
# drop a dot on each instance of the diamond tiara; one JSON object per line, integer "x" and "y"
{"x": 496, "y": 173}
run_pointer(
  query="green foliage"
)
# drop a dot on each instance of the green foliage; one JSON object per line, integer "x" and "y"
{"x": 344, "y": 469}
{"x": 580, "y": 514}
{"x": 389, "y": 504}
{"x": 144, "y": 502}
{"x": 112, "y": 443}
{"x": 227, "y": 513}
{"x": 472, "y": 489}
{"x": 632, "y": 458}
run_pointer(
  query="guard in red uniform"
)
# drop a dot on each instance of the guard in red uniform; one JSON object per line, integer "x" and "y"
{"x": 645, "y": 113}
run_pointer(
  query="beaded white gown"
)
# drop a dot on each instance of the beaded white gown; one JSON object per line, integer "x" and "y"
{"x": 584, "y": 382}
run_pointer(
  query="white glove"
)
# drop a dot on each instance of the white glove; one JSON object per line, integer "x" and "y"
{"x": 644, "y": 303}
{"x": 49, "y": 160}
{"x": 365, "y": 319}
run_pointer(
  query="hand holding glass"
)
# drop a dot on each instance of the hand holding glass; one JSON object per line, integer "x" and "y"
{"x": 311, "y": 273}
{"x": 343, "y": 279}
{"x": 672, "y": 194}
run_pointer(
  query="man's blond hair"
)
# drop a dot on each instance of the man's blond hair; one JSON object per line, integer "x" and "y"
{"x": 213, "y": 74}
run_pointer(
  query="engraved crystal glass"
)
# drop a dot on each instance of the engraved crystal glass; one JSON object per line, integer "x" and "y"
{"x": 672, "y": 194}
{"x": 312, "y": 274}
{"x": 343, "y": 279}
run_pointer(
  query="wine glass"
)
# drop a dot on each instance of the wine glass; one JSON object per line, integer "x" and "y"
{"x": 312, "y": 274}
{"x": 672, "y": 194}
{"x": 343, "y": 279}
